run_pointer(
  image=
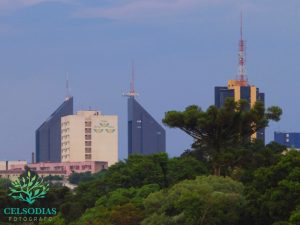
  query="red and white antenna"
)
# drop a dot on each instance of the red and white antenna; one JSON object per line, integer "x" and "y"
{"x": 132, "y": 92}
{"x": 242, "y": 77}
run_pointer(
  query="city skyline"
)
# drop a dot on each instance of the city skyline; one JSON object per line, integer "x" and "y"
{"x": 182, "y": 49}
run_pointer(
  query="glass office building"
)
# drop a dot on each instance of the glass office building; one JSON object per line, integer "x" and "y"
{"x": 145, "y": 134}
{"x": 288, "y": 139}
{"x": 48, "y": 135}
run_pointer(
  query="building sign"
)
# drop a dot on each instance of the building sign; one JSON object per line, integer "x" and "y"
{"x": 104, "y": 126}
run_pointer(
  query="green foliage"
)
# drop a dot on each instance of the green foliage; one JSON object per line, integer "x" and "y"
{"x": 53, "y": 178}
{"x": 185, "y": 167}
{"x": 206, "y": 200}
{"x": 76, "y": 178}
{"x": 130, "y": 181}
{"x": 4, "y": 183}
{"x": 295, "y": 217}
{"x": 28, "y": 188}
{"x": 131, "y": 195}
{"x": 127, "y": 214}
{"x": 274, "y": 193}
{"x": 57, "y": 220}
{"x": 122, "y": 206}
{"x": 218, "y": 131}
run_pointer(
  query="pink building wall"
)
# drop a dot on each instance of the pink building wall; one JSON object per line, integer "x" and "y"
{"x": 66, "y": 168}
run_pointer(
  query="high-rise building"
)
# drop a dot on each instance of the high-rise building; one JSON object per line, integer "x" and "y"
{"x": 239, "y": 88}
{"x": 47, "y": 136}
{"x": 288, "y": 139}
{"x": 145, "y": 135}
{"x": 89, "y": 136}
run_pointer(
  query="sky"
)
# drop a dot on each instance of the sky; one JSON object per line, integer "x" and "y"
{"x": 181, "y": 49}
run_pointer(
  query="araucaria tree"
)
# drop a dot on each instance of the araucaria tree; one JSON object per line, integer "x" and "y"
{"x": 218, "y": 131}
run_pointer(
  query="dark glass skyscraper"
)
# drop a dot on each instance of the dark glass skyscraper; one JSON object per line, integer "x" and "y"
{"x": 290, "y": 140}
{"x": 48, "y": 135}
{"x": 145, "y": 134}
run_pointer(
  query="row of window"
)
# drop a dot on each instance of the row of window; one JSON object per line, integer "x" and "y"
{"x": 65, "y": 150}
{"x": 65, "y": 130}
{"x": 65, "y": 156}
{"x": 65, "y": 137}
{"x": 65, "y": 143}
{"x": 83, "y": 167}
{"x": 65, "y": 123}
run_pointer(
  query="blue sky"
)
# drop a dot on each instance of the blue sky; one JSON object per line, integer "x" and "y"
{"x": 181, "y": 48}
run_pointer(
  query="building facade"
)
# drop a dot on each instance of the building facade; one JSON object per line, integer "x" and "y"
{"x": 240, "y": 90}
{"x": 145, "y": 134}
{"x": 288, "y": 139}
{"x": 48, "y": 135}
{"x": 89, "y": 136}
{"x": 54, "y": 169}
{"x": 8, "y": 165}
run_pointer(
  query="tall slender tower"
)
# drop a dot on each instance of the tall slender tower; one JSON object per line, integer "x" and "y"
{"x": 68, "y": 92}
{"x": 242, "y": 77}
{"x": 132, "y": 92}
{"x": 145, "y": 134}
{"x": 239, "y": 88}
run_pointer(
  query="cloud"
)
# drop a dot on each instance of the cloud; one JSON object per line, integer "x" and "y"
{"x": 11, "y": 5}
{"x": 142, "y": 9}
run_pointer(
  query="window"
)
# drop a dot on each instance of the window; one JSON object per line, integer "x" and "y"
{"x": 88, "y": 123}
{"x": 88, "y": 130}
{"x": 88, "y": 157}
{"x": 86, "y": 167}
{"x": 88, "y": 150}
{"x": 88, "y": 137}
{"x": 88, "y": 143}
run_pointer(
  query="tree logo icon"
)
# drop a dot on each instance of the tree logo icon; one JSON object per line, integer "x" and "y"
{"x": 28, "y": 188}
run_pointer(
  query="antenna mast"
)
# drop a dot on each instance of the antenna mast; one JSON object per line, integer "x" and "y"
{"x": 242, "y": 77}
{"x": 132, "y": 92}
{"x": 68, "y": 95}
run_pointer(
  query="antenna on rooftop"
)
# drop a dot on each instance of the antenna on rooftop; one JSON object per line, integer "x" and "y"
{"x": 68, "y": 95}
{"x": 132, "y": 92}
{"x": 242, "y": 77}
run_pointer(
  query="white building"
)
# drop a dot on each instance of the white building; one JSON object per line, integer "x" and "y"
{"x": 89, "y": 136}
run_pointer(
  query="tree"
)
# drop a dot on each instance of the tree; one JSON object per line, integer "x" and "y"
{"x": 127, "y": 214}
{"x": 76, "y": 178}
{"x": 274, "y": 194}
{"x": 219, "y": 130}
{"x": 205, "y": 200}
{"x": 4, "y": 183}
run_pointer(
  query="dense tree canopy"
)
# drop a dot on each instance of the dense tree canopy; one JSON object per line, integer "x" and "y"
{"x": 274, "y": 193}
{"x": 205, "y": 200}
{"x": 217, "y": 131}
